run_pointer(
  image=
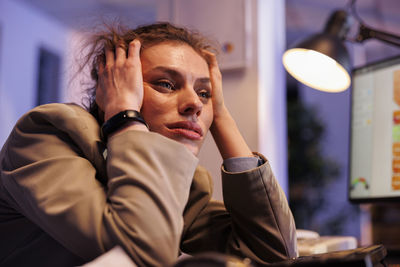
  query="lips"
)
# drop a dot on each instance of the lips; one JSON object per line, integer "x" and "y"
{"x": 186, "y": 129}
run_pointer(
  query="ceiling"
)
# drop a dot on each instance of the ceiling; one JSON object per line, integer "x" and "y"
{"x": 303, "y": 17}
{"x": 80, "y": 13}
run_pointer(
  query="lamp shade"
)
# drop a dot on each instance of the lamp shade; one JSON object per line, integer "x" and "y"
{"x": 322, "y": 61}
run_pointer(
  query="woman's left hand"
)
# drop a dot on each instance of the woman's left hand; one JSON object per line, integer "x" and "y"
{"x": 216, "y": 84}
{"x": 224, "y": 130}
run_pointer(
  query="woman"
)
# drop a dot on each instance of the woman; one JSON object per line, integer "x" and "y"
{"x": 71, "y": 190}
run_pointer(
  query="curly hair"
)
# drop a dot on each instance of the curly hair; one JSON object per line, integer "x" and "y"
{"x": 149, "y": 35}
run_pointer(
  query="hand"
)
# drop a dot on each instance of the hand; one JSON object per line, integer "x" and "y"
{"x": 216, "y": 83}
{"x": 224, "y": 130}
{"x": 120, "y": 84}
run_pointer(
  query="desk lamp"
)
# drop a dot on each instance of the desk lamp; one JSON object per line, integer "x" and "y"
{"x": 322, "y": 61}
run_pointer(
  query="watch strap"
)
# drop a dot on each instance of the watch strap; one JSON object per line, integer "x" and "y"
{"x": 119, "y": 120}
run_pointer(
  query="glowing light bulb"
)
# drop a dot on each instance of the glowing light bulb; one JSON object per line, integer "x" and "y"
{"x": 316, "y": 70}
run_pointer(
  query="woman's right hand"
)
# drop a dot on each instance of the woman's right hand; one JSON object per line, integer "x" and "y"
{"x": 120, "y": 83}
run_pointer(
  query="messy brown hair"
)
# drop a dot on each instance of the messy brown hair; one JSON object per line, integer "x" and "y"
{"x": 149, "y": 35}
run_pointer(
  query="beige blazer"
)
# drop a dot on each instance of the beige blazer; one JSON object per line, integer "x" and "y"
{"x": 63, "y": 204}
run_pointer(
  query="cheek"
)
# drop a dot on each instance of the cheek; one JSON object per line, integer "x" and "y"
{"x": 154, "y": 106}
{"x": 149, "y": 105}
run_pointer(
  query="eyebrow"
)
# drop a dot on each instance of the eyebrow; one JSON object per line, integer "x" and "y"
{"x": 175, "y": 73}
{"x": 204, "y": 80}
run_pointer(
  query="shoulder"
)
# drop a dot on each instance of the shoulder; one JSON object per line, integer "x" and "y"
{"x": 68, "y": 118}
{"x": 57, "y": 112}
{"x": 52, "y": 130}
{"x": 67, "y": 122}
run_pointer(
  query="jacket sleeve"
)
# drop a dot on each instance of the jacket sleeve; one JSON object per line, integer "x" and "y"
{"x": 255, "y": 220}
{"x": 140, "y": 209}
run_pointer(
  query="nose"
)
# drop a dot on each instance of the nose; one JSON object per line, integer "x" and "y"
{"x": 189, "y": 102}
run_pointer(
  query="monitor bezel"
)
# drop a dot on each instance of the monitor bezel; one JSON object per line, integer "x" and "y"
{"x": 373, "y": 66}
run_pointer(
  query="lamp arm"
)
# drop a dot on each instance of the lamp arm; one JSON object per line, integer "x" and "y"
{"x": 365, "y": 33}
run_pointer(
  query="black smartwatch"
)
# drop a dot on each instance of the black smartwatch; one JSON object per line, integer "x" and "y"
{"x": 119, "y": 120}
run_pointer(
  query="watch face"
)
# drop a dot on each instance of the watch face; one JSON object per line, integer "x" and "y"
{"x": 131, "y": 114}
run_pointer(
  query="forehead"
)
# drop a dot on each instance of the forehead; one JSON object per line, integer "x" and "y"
{"x": 177, "y": 56}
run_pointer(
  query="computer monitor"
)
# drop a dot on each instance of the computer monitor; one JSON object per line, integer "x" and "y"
{"x": 374, "y": 172}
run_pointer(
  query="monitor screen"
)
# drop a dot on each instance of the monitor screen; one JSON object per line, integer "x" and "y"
{"x": 375, "y": 132}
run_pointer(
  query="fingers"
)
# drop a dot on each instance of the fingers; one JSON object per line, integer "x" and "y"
{"x": 216, "y": 83}
{"x": 134, "y": 49}
{"x": 211, "y": 59}
{"x": 134, "y": 62}
{"x": 216, "y": 77}
{"x": 109, "y": 56}
{"x": 215, "y": 73}
{"x": 120, "y": 56}
{"x": 120, "y": 82}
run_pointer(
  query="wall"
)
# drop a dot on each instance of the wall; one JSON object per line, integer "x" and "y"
{"x": 272, "y": 130}
{"x": 23, "y": 31}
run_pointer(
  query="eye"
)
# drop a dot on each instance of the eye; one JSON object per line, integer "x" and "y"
{"x": 165, "y": 84}
{"x": 204, "y": 94}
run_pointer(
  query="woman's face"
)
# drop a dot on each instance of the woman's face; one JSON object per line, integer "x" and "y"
{"x": 177, "y": 93}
